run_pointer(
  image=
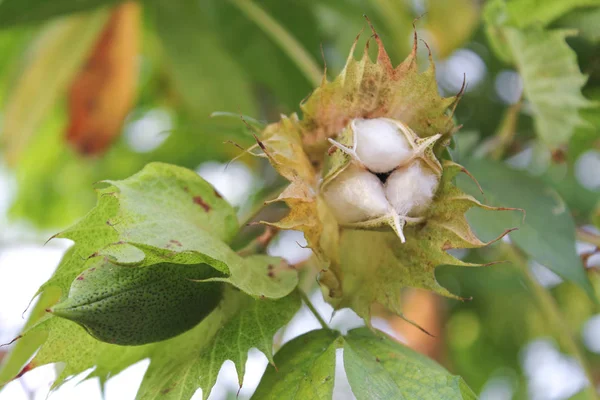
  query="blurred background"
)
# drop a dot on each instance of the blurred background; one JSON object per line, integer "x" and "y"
{"x": 97, "y": 94}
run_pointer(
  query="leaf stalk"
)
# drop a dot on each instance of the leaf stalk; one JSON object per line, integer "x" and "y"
{"x": 312, "y": 309}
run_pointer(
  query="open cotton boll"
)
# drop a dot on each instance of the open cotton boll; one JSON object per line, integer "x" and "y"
{"x": 356, "y": 195}
{"x": 410, "y": 189}
{"x": 380, "y": 144}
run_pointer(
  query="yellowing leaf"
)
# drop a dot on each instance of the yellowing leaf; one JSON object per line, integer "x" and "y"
{"x": 102, "y": 94}
{"x": 55, "y": 59}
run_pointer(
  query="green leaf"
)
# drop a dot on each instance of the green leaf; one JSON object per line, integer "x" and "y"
{"x": 237, "y": 324}
{"x": 377, "y": 367}
{"x": 380, "y": 368}
{"x": 585, "y": 21}
{"x": 13, "y": 12}
{"x": 26, "y": 346}
{"x": 62, "y": 340}
{"x": 304, "y": 368}
{"x": 251, "y": 42}
{"x": 552, "y": 81}
{"x": 181, "y": 365}
{"x": 523, "y": 13}
{"x": 548, "y": 232}
{"x": 55, "y": 60}
{"x": 287, "y": 43}
{"x": 202, "y": 71}
{"x": 169, "y": 214}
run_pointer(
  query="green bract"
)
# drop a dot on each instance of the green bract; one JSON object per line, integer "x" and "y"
{"x": 363, "y": 267}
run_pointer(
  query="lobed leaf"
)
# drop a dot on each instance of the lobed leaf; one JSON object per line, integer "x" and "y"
{"x": 163, "y": 216}
{"x": 552, "y": 81}
{"x": 380, "y": 368}
{"x": 169, "y": 214}
{"x": 180, "y": 366}
{"x": 376, "y": 366}
{"x": 304, "y": 368}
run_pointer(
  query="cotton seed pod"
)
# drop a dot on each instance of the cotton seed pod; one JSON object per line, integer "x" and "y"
{"x": 356, "y": 195}
{"x": 410, "y": 189}
{"x": 137, "y": 305}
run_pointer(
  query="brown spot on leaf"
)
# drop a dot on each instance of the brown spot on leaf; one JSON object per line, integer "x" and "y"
{"x": 200, "y": 201}
{"x": 447, "y": 245}
{"x": 176, "y": 242}
{"x": 80, "y": 278}
{"x": 271, "y": 274}
{"x": 559, "y": 156}
{"x": 166, "y": 390}
{"x": 377, "y": 359}
{"x": 25, "y": 369}
{"x": 217, "y": 194}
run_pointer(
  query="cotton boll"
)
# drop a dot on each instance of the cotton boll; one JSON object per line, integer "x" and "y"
{"x": 356, "y": 195}
{"x": 380, "y": 144}
{"x": 410, "y": 189}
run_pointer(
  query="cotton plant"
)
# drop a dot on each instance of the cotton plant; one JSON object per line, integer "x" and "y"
{"x": 152, "y": 273}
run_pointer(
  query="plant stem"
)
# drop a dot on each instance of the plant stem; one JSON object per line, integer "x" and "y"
{"x": 312, "y": 309}
{"x": 547, "y": 305}
{"x": 506, "y": 132}
{"x": 283, "y": 38}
